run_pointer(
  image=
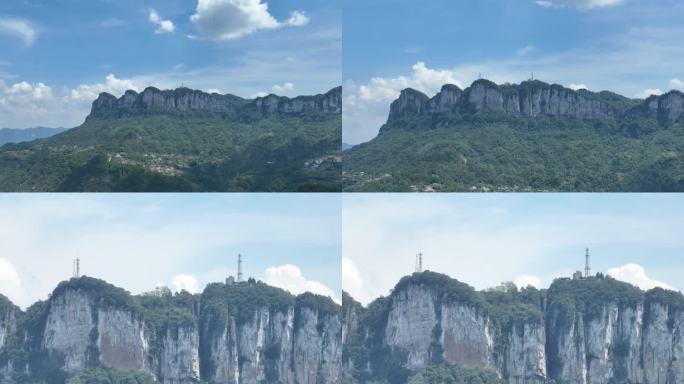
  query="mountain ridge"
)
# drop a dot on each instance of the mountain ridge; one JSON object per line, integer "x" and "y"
{"x": 533, "y": 98}
{"x": 185, "y": 101}
{"x": 524, "y": 137}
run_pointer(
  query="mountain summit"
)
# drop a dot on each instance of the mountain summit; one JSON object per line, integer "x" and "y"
{"x": 531, "y": 136}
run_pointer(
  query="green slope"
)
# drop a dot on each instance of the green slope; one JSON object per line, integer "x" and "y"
{"x": 491, "y": 152}
{"x": 170, "y": 153}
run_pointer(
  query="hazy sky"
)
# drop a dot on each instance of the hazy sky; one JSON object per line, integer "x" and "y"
{"x": 139, "y": 241}
{"x": 484, "y": 240}
{"x": 57, "y": 55}
{"x": 633, "y": 47}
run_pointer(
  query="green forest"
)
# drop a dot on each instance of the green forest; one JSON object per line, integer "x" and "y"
{"x": 488, "y": 151}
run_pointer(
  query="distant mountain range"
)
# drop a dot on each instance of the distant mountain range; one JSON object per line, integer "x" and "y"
{"x": 346, "y": 146}
{"x": 13, "y": 135}
{"x": 531, "y": 136}
{"x": 187, "y": 140}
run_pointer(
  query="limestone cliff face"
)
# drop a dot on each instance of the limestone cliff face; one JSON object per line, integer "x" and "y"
{"x": 295, "y": 345}
{"x": 427, "y": 329}
{"x": 8, "y": 322}
{"x": 81, "y": 332}
{"x": 187, "y": 102}
{"x": 635, "y": 340}
{"x": 533, "y": 99}
{"x": 87, "y": 323}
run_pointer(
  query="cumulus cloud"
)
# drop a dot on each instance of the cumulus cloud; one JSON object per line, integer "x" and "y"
{"x": 635, "y": 274}
{"x": 186, "y": 282}
{"x": 259, "y": 94}
{"x": 677, "y": 84}
{"x": 351, "y": 278}
{"x": 10, "y": 283}
{"x": 579, "y": 4}
{"x": 577, "y": 86}
{"x": 163, "y": 26}
{"x": 285, "y": 87}
{"x": 24, "y": 99}
{"x": 19, "y": 28}
{"x": 289, "y": 277}
{"x": 297, "y": 19}
{"x": 422, "y": 78}
{"x": 234, "y": 19}
{"x": 213, "y": 90}
{"x": 89, "y": 92}
{"x": 649, "y": 92}
{"x": 526, "y": 280}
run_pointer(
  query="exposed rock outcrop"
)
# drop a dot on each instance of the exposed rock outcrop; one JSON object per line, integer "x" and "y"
{"x": 624, "y": 335}
{"x": 188, "y": 102}
{"x": 533, "y": 99}
{"x": 88, "y": 323}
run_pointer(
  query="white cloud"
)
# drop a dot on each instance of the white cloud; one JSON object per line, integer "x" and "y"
{"x": 186, "y": 282}
{"x": 579, "y": 4}
{"x": 20, "y": 28}
{"x": 10, "y": 283}
{"x": 233, "y": 19}
{"x": 524, "y": 51}
{"x": 297, "y": 19}
{"x": 213, "y": 90}
{"x": 422, "y": 78}
{"x": 289, "y": 277}
{"x": 163, "y": 26}
{"x": 577, "y": 86}
{"x": 89, "y": 92}
{"x": 649, "y": 92}
{"x": 352, "y": 281}
{"x": 635, "y": 274}
{"x": 677, "y": 84}
{"x": 259, "y": 94}
{"x": 525, "y": 280}
{"x": 285, "y": 87}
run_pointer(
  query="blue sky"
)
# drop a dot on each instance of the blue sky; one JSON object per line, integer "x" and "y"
{"x": 484, "y": 240}
{"x": 632, "y": 47}
{"x": 137, "y": 241}
{"x": 60, "y": 53}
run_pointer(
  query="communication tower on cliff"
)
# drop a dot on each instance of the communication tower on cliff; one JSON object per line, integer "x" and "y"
{"x": 77, "y": 268}
{"x": 239, "y": 273}
{"x": 587, "y": 270}
{"x": 419, "y": 262}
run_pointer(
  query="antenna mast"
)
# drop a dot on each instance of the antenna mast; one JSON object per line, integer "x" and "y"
{"x": 587, "y": 270}
{"x": 239, "y": 273}
{"x": 419, "y": 262}
{"x": 77, "y": 268}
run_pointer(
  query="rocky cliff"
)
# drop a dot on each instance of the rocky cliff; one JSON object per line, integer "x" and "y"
{"x": 532, "y": 99}
{"x": 188, "y": 102}
{"x": 238, "y": 333}
{"x": 594, "y": 331}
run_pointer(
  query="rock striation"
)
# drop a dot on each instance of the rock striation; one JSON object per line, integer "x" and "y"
{"x": 238, "y": 337}
{"x": 532, "y": 99}
{"x": 581, "y": 336}
{"x": 188, "y": 102}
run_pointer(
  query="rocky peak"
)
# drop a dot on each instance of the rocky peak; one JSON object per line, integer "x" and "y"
{"x": 328, "y": 103}
{"x": 410, "y": 102}
{"x": 667, "y": 108}
{"x": 445, "y": 99}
